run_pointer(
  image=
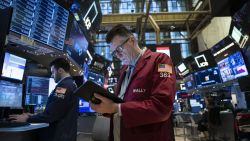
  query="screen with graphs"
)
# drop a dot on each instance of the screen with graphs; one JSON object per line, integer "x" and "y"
{"x": 42, "y": 20}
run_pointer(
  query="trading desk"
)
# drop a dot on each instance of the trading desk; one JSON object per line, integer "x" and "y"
{"x": 22, "y": 133}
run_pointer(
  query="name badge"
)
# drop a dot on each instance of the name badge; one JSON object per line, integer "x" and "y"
{"x": 139, "y": 90}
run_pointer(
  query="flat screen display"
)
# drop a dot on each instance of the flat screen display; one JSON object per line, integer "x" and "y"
{"x": 225, "y": 47}
{"x": 88, "y": 13}
{"x": 52, "y": 85}
{"x": 84, "y": 107}
{"x": 204, "y": 60}
{"x": 236, "y": 34}
{"x": 189, "y": 82}
{"x": 13, "y": 66}
{"x": 207, "y": 77}
{"x": 232, "y": 67}
{"x": 37, "y": 90}
{"x": 183, "y": 69}
{"x": 11, "y": 94}
{"x": 42, "y": 20}
{"x": 77, "y": 46}
{"x": 98, "y": 79}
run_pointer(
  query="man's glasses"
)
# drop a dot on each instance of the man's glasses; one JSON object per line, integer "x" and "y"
{"x": 119, "y": 49}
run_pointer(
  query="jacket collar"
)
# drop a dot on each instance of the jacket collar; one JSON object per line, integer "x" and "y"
{"x": 141, "y": 62}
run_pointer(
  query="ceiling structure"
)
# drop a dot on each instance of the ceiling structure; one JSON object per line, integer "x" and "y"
{"x": 190, "y": 21}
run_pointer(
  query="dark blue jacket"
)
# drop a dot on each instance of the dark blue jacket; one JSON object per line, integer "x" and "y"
{"x": 61, "y": 113}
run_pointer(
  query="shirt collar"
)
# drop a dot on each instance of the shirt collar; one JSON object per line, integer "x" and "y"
{"x": 62, "y": 79}
{"x": 133, "y": 63}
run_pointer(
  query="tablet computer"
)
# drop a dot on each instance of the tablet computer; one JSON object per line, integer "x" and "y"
{"x": 87, "y": 90}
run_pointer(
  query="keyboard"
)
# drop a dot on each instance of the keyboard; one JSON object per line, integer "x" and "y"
{"x": 6, "y": 124}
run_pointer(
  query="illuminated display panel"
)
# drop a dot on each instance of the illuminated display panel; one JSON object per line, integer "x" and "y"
{"x": 13, "y": 66}
{"x": 42, "y": 20}
{"x": 207, "y": 77}
{"x": 232, "y": 67}
{"x": 11, "y": 94}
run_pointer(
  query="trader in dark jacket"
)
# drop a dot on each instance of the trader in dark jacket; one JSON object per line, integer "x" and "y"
{"x": 61, "y": 108}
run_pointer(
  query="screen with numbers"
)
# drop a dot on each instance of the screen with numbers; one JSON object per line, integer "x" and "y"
{"x": 42, "y": 20}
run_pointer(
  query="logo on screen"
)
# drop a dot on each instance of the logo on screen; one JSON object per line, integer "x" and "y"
{"x": 90, "y": 16}
{"x": 201, "y": 61}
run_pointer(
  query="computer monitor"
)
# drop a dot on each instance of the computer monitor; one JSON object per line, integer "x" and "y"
{"x": 183, "y": 69}
{"x": 42, "y": 21}
{"x": 224, "y": 48}
{"x": 195, "y": 105}
{"x": 189, "y": 82}
{"x": 52, "y": 85}
{"x": 37, "y": 90}
{"x": 84, "y": 107}
{"x": 13, "y": 66}
{"x": 232, "y": 67}
{"x": 11, "y": 94}
{"x": 98, "y": 79}
{"x": 77, "y": 44}
{"x": 203, "y": 60}
{"x": 95, "y": 77}
{"x": 207, "y": 77}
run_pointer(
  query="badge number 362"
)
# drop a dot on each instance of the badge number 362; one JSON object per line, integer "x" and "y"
{"x": 164, "y": 74}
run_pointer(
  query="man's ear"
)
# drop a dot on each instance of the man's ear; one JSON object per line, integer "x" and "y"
{"x": 60, "y": 70}
{"x": 133, "y": 40}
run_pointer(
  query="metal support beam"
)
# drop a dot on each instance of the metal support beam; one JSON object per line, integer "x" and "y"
{"x": 145, "y": 24}
{"x": 197, "y": 30}
{"x": 156, "y": 28}
{"x": 162, "y": 18}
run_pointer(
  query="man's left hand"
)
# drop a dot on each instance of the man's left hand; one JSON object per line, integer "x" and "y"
{"x": 19, "y": 118}
{"x": 106, "y": 105}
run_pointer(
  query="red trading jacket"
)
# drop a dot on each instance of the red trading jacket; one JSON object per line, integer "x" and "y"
{"x": 148, "y": 100}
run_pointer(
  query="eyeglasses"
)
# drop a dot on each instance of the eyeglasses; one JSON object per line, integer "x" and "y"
{"x": 119, "y": 49}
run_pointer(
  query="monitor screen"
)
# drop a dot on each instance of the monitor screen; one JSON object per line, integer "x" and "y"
{"x": 189, "y": 82}
{"x": 84, "y": 107}
{"x": 88, "y": 13}
{"x": 11, "y": 94}
{"x": 52, "y": 85}
{"x": 98, "y": 79}
{"x": 182, "y": 87}
{"x": 13, "y": 66}
{"x": 225, "y": 47}
{"x": 95, "y": 77}
{"x": 236, "y": 34}
{"x": 42, "y": 20}
{"x": 232, "y": 67}
{"x": 77, "y": 44}
{"x": 183, "y": 69}
{"x": 207, "y": 77}
{"x": 37, "y": 90}
{"x": 203, "y": 60}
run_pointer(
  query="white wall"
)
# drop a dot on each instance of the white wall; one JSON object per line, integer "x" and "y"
{"x": 214, "y": 32}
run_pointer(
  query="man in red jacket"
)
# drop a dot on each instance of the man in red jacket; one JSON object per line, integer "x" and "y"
{"x": 147, "y": 86}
